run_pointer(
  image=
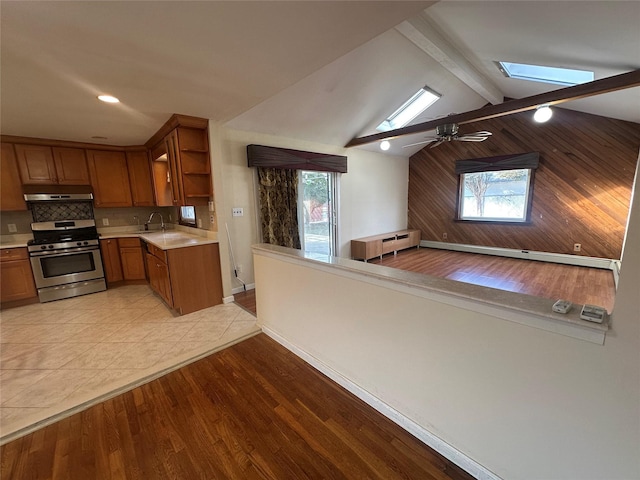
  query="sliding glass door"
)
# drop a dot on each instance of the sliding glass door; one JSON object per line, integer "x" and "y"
{"x": 317, "y": 212}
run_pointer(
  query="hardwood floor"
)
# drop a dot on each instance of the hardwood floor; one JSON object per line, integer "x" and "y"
{"x": 580, "y": 285}
{"x": 247, "y": 300}
{"x": 252, "y": 411}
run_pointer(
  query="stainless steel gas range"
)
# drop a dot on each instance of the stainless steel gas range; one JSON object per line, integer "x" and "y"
{"x": 65, "y": 250}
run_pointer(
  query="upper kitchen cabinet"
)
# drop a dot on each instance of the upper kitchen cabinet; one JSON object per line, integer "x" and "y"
{"x": 45, "y": 165}
{"x": 181, "y": 163}
{"x": 71, "y": 166}
{"x": 110, "y": 178}
{"x": 140, "y": 176}
{"x": 11, "y": 197}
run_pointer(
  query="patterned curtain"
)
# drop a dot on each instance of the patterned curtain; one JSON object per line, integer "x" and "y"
{"x": 278, "y": 189}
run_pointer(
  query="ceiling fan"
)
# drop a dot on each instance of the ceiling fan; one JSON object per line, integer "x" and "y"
{"x": 448, "y": 132}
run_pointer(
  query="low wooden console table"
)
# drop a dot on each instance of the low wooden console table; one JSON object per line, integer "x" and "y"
{"x": 377, "y": 245}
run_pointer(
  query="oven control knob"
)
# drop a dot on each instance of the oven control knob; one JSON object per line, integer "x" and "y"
{"x": 50, "y": 246}
{"x": 86, "y": 243}
{"x": 79, "y": 244}
{"x": 43, "y": 247}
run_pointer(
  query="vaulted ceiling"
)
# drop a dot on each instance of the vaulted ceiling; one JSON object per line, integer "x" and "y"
{"x": 319, "y": 71}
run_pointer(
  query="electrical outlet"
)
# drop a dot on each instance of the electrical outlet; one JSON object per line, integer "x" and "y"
{"x": 105, "y": 222}
{"x": 444, "y": 236}
{"x": 237, "y": 212}
{"x": 212, "y": 219}
{"x": 199, "y": 223}
{"x": 12, "y": 227}
{"x": 577, "y": 247}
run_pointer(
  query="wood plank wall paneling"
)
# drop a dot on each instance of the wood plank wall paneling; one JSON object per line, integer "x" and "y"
{"x": 581, "y": 193}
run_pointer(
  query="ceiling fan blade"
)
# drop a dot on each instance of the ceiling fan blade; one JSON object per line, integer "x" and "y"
{"x": 426, "y": 140}
{"x": 435, "y": 144}
{"x": 470, "y": 138}
{"x": 483, "y": 133}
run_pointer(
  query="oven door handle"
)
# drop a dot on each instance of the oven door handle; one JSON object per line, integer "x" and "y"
{"x": 65, "y": 252}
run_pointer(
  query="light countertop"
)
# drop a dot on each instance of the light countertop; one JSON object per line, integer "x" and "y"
{"x": 164, "y": 240}
{"x": 15, "y": 241}
{"x": 174, "y": 239}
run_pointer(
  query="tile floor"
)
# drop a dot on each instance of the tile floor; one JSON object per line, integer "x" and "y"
{"x": 60, "y": 357}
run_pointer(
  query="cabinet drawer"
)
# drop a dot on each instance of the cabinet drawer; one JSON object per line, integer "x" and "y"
{"x": 126, "y": 242}
{"x": 157, "y": 252}
{"x": 13, "y": 254}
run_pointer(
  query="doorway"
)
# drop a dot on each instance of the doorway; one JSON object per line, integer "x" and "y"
{"x": 317, "y": 212}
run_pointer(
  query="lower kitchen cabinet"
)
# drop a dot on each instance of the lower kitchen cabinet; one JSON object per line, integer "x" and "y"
{"x": 16, "y": 277}
{"x": 111, "y": 260}
{"x": 187, "y": 278}
{"x": 131, "y": 259}
{"x": 159, "y": 278}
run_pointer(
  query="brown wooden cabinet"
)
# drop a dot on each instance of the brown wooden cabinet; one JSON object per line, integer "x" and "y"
{"x": 183, "y": 156}
{"x": 111, "y": 260}
{"x": 11, "y": 197}
{"x": 71, "y": 166}
{"x": 110, "y": 178}
{"x": 45, "y": 165}
{"x": 139, "y": 168}
{"x": 131, "y": 258}
{"x": 36, "y": 165}
{"x": 188, "y": 278}
{"x": 16, "y": 277}
{"x": 159, "y": 278}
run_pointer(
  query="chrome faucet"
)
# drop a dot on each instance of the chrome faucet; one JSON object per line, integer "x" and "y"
{"x": 162, "y": 225}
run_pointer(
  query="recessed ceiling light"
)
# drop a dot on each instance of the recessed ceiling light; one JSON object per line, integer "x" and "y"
{"x": 108, "y": 99}
{"x": 385, "y": 145}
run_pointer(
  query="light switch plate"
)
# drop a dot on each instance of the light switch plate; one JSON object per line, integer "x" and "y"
{"x": 105, "y": 222}
{"x": 237, "y": 212}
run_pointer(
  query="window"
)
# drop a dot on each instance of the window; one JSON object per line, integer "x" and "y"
{"x": 540, "y": 73}
{"x": 410, "y": 109}
{"x": 317, "y": 209}
{"x": 496, "y": 196}
{"x": 187, "y": 216}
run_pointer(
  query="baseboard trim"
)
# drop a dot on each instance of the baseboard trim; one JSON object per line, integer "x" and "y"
{"x": 439, "y": 445}
{"x": 594, "y": 262}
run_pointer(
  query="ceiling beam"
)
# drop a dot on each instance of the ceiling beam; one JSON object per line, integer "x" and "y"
{"x": 597, "y": 87}
{"x": 425, "y": 35}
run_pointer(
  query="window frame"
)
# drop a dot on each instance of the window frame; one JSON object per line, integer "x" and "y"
{"x": 493, "y": 220}
{"x": 186, "y": 221}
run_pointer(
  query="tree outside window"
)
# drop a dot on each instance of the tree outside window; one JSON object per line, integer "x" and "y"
{"x": 502, "y": 195}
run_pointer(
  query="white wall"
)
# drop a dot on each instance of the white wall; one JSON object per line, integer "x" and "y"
{"x": 522, "y": 402}
{"x": 373, "y": 194}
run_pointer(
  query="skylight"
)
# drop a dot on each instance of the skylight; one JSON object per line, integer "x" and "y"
{"x": 539, "y": 73}
{"x": 410, "y": 109}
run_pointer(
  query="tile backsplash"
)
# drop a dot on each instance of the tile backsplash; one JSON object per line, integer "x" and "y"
{"x": 116, "y": 217}
{"x": 22, "y": 220}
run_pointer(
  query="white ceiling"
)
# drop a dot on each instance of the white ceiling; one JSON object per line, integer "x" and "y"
{"x": 317, "y": 71}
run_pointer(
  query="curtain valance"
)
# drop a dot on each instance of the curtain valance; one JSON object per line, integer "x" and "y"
{"x": 274, "y": 157}
{"x": 502, "y": 162}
